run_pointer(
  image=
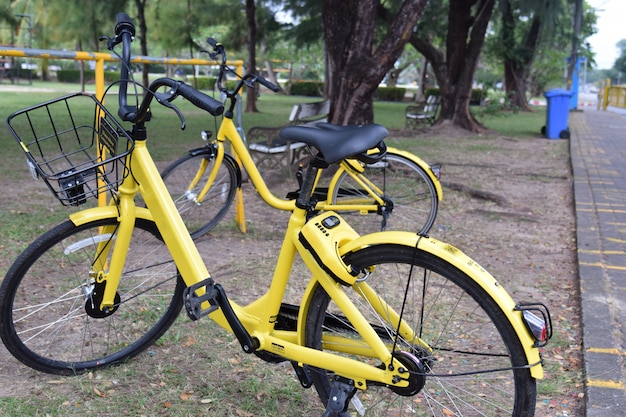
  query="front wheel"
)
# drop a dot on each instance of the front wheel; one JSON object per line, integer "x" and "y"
{"x": 201, "y": 215}
{"x": 47, "y": 317}
{"x": 410, "y": 196}
{"x": 473, "y": 363}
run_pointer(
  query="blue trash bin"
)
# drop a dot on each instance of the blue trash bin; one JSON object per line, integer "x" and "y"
{"x": 557, "y": 114}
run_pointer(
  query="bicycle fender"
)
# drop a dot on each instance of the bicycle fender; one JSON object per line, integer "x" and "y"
{"x": 105, "y": 212}
{"x": 422, "y": 164}
{"x": 464, "y": 263}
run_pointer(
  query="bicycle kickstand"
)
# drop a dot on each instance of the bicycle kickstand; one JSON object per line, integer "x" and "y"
{"x": 341, "y": 392}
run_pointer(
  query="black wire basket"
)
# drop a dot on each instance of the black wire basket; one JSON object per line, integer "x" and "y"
{"x": 74, "y": 144}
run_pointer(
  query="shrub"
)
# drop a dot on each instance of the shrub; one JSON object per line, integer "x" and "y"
{"x": 432, "y": 91}
{"x": 73, "y": 76}
{"x": 306, "y": 88}
{"x": 478, "y": 94}
{"x": 390, "y": 93}
{"x": 205, "y": 83}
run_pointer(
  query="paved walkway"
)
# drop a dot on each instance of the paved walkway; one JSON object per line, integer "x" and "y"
{"x": 598, "y": 151}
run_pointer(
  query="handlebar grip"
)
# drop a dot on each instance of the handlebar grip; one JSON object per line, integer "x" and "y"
{"x": 201, "y": 100}
{"x": 268, "y": 84}
{"x": 124, "y": 23}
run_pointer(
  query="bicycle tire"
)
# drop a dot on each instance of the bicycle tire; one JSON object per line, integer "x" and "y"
{"x": 405, "y": 185}
{"x": 44, "y": 297}
{"x": 463, "y": 325}
{"x": 201, "y": 217}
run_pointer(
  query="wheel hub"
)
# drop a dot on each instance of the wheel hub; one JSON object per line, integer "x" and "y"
{"x": 93, "y": 301}
{"x": 414, "y": 373}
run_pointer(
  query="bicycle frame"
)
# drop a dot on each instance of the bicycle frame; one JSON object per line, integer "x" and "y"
{"x": 229, "y": 132}
{"x": 258, "y": 317}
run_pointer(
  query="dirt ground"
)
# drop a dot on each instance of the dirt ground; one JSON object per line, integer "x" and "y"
{"x": 507, "y": 203}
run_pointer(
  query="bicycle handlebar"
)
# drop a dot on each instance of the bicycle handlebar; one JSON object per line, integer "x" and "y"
{"x": 124, "y": 34}
{"x": 177, "y": 88}
{"x": 218, "y": 50}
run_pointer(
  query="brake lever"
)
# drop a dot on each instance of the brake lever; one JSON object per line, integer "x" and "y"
{"x": 166, "y": 99}
{"x": 249, "y": 82}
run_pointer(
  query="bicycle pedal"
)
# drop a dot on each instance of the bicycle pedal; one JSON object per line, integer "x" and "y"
{"x": 194, "y": 302}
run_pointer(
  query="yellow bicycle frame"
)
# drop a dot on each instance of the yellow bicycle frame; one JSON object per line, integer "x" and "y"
{"x": 229, "y": 132}
{"x": 354, "y": 169}
{"x": 258, "y": 317}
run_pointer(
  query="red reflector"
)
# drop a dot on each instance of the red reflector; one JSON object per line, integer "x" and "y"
{"x": 537, "y": 320}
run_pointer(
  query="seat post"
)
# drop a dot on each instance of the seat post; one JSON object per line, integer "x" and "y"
{"x": 306, "y": 190}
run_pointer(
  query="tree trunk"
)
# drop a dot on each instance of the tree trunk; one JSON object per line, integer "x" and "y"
{"x": 143, "y": 38}
{"x": 81, "y": 67}
{"x": 394, "y": 75}
{"x": 270, "y": 68}
{"x": 467, "y": 25}
{"x": 515, "y": 85}
{"x": 423, "y": 79}
{"x": 357, "y": 66}
{"x": 251, "y": 40}
{"x": 518, "y": 59}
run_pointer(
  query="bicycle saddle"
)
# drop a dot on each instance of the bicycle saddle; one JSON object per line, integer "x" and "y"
{"x": 338, "y": 144}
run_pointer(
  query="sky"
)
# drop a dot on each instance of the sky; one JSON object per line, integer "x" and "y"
{"x": 611, "y": 29}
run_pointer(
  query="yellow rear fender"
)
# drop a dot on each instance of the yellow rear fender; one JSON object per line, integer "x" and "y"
{"x": 422, "y": 164}
{"x": 105, "y": 212}
{"x": 470, "y": 267}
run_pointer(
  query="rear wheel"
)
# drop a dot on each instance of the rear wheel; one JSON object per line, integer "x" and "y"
{"x": 410, "y": 196}
{"x": 476, "y": 363}
{"x": 48, "y": 319}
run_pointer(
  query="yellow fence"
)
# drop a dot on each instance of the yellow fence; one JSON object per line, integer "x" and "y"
{"x": 611, "y": 95}
{"x": 101, "y": 57}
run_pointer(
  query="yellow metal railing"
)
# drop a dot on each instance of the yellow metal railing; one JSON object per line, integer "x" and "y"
{"x": 611, "y": 95}
{"x": 101, "y": 57}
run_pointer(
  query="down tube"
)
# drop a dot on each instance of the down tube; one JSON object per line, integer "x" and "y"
{"x": 166, "y": 216}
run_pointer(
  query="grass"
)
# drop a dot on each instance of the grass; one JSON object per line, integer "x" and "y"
{"x": 221, "y": 380}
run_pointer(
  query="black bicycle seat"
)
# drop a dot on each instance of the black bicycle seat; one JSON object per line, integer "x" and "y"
{"x": 338, "y": 144}
{"x": 331, "y": 126}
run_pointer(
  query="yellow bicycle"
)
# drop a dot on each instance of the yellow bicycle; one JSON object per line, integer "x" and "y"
{"x": 391, "y": 323}
{"x": 400, "y": 189}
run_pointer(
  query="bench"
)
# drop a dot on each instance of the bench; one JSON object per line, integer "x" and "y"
{"x": 423, "y": 114}
{"x": 270, "y": 151}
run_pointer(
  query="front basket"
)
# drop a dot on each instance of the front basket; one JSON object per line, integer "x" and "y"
{"x": 74, "y": 144}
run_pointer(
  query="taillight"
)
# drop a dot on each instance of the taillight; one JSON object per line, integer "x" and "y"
{"x": 537, "y": 319}
{"x": 436, "y": 170}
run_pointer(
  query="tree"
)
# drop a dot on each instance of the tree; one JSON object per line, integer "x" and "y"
{"x": 6, "y": 15}
{"x": 251, "y": 41}
{"x": 357, "y": 63}
{"x": 555, "y": 47}
{"x": 69, "y": 23}
{"x": 620, "y": 62}
{"x": 143, "y": 38}
{"x": 519, "y": 39}
{"x": 454, "y": 68}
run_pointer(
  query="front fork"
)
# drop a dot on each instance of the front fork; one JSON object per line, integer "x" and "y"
{"x": 110, "y": 258}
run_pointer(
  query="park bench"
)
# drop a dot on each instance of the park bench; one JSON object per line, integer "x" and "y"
{"x": 423, "y": 114}
{"x": 270, "y": 151}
